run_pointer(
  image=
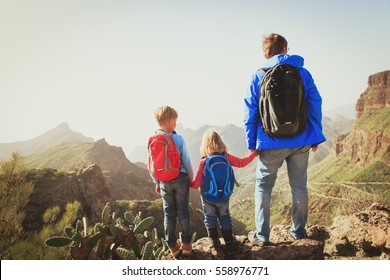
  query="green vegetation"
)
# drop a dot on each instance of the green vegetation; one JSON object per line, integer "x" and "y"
{"x": 14, "y": 193}
{"x": 155, "y": 209}
{"x": 375, "y": 120}
{"x": 112, "y": 238}
{"x": 32, "y": 245}
{"x": 66, "y": 157}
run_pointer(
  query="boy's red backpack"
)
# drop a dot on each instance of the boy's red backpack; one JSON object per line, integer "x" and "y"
{"x": 163, "y": 157}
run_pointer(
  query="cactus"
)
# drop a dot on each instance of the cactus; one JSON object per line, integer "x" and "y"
{"x": 106, "y": 214}
{"x": 58, "y": 241}
{"x": 98, "y": 227}
{"x": 113, "y": 238}
{"x": 159, "y": 253}
{"x": 100, "y": 250}
{"x": 129, "y": 217}
{"x": 126, "y": 254}
{"x": 79, "y": 226}
{"x": 144, "y": 224}
{"x": 93, "y": 240}
{"x": 113, "y": 230}
{"x": 69, "y": 231}
{"x": 154, "y": 236}
{"x": 147, "y": 251}
{"x": 137, "y": 249}
{"x": 137, "y": 218}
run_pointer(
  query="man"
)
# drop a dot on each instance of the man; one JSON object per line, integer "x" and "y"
{"x": 275, "y": 150}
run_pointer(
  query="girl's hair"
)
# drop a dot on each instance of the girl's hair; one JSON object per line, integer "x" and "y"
{"x": 164, "y": 113}
{"x": 274, "y": 44}
{"x": 212, "y": 143}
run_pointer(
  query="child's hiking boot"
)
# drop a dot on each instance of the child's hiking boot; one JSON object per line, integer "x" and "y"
{"x": 175, "y": 250}
{"x": 229, "y": 239}
{"x": 213, "y": 235}
{"x": 186, "y": 250}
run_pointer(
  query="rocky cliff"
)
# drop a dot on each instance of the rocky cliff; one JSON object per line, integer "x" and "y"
{"x": 377, "y": 94}
{"x": 369, "y": 139}
{"x": 53, "y": 188}
{"x": 125, "y": 179}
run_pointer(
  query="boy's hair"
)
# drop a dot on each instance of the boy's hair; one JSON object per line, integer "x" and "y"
{"x": 274, "y": 44}
{"x": 164, "y": 113}
{"x": 212, "y": 143}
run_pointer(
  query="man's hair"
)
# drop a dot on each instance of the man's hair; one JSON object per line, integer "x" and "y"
{"x": 212, "y": 143}
{"x": 274, "y": 44}
{"x": 164, "y": 113}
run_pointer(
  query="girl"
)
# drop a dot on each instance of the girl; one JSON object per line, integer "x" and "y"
{"x": 212, "y": 144}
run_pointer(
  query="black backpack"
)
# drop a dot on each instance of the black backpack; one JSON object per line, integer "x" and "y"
{"x": 282, "y": 103}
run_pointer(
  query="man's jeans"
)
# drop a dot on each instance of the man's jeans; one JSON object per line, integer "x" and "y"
{"x": 268, "y": 165}
{"x": 214, "y": 211}
{"x": 175, "y": 195}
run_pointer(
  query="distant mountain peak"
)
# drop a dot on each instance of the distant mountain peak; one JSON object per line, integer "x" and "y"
{"x": 53, "y": 137}
{"x": 62, "y": 126}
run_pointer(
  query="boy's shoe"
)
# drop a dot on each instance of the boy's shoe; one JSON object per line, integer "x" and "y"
{"x": 186, "y": 249}
{"x": 252, "y": 236}
{"x": 175, "y": 251}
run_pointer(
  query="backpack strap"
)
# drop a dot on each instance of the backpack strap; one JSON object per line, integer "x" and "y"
{"x": 224, "y": 153}
{"x": 214, "y": 185}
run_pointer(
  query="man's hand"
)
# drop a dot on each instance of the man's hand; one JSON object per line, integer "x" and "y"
{"x": 314, "y": 149}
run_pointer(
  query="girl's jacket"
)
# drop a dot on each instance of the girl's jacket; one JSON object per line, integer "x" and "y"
{"x": 256, "y": 137}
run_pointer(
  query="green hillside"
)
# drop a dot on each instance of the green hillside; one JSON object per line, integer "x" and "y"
{"x": 68, "y": 156}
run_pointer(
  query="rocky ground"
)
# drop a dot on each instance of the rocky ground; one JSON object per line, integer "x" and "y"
{"x": 364, "y": 235}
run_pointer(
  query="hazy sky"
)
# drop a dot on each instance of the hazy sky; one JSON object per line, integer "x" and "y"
{"x": 104, "y": 66}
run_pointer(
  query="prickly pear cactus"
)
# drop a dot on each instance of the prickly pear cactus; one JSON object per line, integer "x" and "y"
{"x": 126, "y": 254}
{"x": 127, "y": 238}
{"x": 148, "y": 251}
{"x": 58, "y": 241}
{"x": 106, "y": 214}
{"x": 144, "y": 224}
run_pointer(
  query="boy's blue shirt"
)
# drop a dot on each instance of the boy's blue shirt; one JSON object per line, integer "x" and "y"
{"x": 185, "y": 161}
{"x": 255, "y": 135}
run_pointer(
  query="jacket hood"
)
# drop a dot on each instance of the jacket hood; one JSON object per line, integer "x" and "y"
{"x": 294, "y": 60}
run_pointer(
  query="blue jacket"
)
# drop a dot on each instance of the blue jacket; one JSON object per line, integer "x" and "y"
{"x": 185, "y": 162}
{"x": 256, "y": 137}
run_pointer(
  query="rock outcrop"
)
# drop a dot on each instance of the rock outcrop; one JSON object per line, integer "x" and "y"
{"x": 364, "y": 235}
{"x": 377, "y": 94}
{"x": 125, "y": 179}
{"x": 369, "y": 139}
{"x": 53, "y": 188}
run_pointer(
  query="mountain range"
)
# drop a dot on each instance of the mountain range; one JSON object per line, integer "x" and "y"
{"x": 56, "y": 136}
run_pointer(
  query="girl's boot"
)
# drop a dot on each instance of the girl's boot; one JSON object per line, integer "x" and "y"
{"x": 213, "y": 235}
{"x": 229, "y": 239}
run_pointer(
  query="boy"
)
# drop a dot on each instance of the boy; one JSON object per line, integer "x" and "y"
{"x": 175, "y": 192}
